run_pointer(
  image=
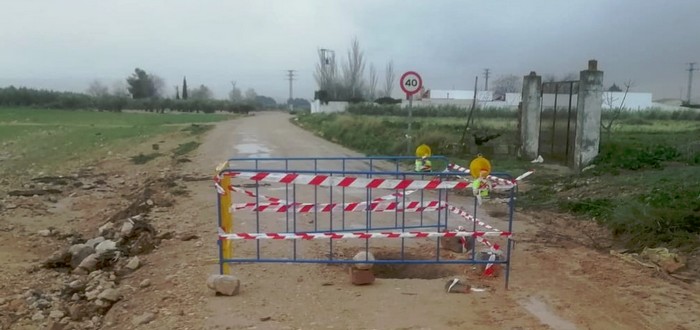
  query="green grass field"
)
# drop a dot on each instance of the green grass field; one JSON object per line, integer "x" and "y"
{"x": 645, "y": 185}
{"x": 46, "y": 139}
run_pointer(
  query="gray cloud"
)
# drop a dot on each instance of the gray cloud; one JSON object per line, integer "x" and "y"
{"x": 66, "y": 44}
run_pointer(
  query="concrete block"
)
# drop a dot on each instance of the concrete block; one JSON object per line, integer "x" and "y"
{"x": 361, "y": 276}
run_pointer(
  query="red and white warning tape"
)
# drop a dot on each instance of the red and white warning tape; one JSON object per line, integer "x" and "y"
{"x": 359, "y": 235}
{"x": 376, "y": 206}
{"x": 349, "y": 182}
{"x": 497, "y": 180}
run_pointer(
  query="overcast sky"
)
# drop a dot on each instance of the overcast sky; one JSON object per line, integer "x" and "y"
{"x": 66, "y": 44}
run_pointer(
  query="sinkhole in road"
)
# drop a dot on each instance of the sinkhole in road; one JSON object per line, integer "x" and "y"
{"x": 404, "y": 270}
{"x": 413, "y": 271}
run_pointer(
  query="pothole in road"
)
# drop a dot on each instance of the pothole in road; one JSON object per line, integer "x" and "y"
{"x": 405, "y": 271}
{"x": 413, "y": 271}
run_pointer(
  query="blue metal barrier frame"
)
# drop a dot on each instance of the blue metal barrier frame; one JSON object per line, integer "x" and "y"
{"x": 397, "y": 173}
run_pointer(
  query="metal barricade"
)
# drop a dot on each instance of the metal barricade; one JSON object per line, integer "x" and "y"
{"x": 315, "y": 210}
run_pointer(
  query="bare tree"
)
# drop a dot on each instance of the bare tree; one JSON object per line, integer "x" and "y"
{"x": 373, "y": 80}
{"x": 610, "y": 100}
{"x": 389, "y": 77}
{"x": 326, "y": 74}
{"x": 97, "y": 89}
{"x": 353, "y": 71}
{"x": 507, "y": 84}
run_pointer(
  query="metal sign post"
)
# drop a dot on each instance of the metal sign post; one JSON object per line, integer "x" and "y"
{"x": 411, "y": 83}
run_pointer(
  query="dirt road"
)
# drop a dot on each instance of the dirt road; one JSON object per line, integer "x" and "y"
{"x": 557, "y": 281}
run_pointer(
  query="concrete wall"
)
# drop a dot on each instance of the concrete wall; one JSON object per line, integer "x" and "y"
{"x": 459, "y": 94}
{"x": 317, "y": 107}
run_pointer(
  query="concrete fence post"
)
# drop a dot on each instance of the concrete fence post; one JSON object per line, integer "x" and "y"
{"x": 590, "y": 102}
{"x": 530, "y": 115}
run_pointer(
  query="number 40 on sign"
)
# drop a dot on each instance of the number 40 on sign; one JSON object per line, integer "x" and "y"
{"x": 411, "y": 83}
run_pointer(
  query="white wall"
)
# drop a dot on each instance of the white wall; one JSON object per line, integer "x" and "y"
{"x": 633, "y": 101}
{"x": 460, "y": 94}
{"x": 317, "y": 107}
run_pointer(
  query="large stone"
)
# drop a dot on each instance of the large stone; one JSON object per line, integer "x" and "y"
{"x": 362, "y": 256}
{"x": 106, "y": 229}
{"x": 93, "y": 242}
{"x": 127, "y": 227}
{"x": 105, "y": 246}
{"x": 144, "y": 318}
{"x": 77, "y": 312}
{"x": 56, "y": 314}
{"x": 58, "y": 259}
{"x": 89, "y": 263}
{"x": 227, "y": 285}
{"x": 78, "y": 253}
{"x": 133, "y": 263}
{"x": 112, "y": 295}
{"x": 361, "y": 276}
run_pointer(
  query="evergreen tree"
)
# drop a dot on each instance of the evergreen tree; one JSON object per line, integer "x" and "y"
{"x": 184, "y": 88}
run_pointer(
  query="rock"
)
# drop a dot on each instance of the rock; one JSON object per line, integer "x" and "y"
{"x": 103, "y": 304}
{"x": 78, "y": 253}
{"x": 93, "y": 242}
{"x": 77, "y": 285}
{"x": 144, "y": 318}
{"x": 89, "y": 263}
{"x": 112, "y": 295}
{"x": 53, "y": 325}
{"x": 127, "y": 227}
{"x": 105, "y": 246}
{"x": 91, "y": 295}
{"x": 198, "y": 244}
{"x": 106, "y": 229}
{"x": 361, "y": 276}
{"x": 133, "y": 263}
{"x": 77, "y": 312}
{"x": 361, "y": 256}
{"x": 44, "y": 232}
{"x": 58, "y": 259}
{"x": 56, "y": 314}
{"x": 227, "y": 285}
{"x": 38, "y": 316}
{"x": 145, "y": 283}
{"x": 75, "y": 297}
{"x": 53, "y": 199}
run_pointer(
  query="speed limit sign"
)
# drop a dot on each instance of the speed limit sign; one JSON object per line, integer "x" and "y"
{"x": 411, "y": 83}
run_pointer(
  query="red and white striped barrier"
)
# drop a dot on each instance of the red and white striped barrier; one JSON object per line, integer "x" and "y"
{"x": 506, "y": 183}
{"x": 348, "y": 182}
{"x": 376, "y": 206}
{"x": 355, "y": 235}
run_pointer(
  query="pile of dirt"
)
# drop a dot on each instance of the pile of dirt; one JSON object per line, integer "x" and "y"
{"x": 85, "y": 273}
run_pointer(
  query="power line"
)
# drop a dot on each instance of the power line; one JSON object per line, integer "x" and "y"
{"x": 290, "y": 76}
{"x": 691, "y": 68}
{"x": 486, "y": 75}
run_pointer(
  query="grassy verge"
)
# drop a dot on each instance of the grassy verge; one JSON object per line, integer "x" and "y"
{"x": 48, "y": 140}
{"x": 645, "y": 186}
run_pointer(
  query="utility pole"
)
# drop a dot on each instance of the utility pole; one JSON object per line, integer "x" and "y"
{"x": 691, "y": 68}
{"x": 290, "y": 76}
{"x": 486, "y": 75}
